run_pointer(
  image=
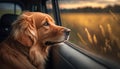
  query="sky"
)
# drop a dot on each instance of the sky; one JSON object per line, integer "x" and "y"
{"x": 68, "y": 4}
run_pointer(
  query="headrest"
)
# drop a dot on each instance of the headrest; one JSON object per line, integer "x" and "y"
{"x": 8, "y": 19}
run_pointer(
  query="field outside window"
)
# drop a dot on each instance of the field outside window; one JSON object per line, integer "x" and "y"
{"x": 94, "y": 24}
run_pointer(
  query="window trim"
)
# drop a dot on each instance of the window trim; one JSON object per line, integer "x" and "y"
{"x": 56, "y": 12}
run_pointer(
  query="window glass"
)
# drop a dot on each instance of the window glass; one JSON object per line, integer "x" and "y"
{"x": 9, "y": 8}
{"x": 95, "y": 24}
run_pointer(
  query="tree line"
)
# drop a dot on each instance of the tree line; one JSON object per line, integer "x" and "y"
{"x": 115, "y": 9}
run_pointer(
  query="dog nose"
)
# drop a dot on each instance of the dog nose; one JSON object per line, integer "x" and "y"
{"x": 67, "y": 31}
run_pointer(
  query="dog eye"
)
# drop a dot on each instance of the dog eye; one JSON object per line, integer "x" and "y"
{"x": 46, "y": 24}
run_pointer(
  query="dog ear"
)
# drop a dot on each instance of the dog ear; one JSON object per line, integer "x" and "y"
{"x": 24, "y": 30}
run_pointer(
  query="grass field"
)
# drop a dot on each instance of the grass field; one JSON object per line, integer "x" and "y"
{"x": 98, "y": 32}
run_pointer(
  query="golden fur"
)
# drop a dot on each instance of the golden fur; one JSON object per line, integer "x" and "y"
{"x": 27, "y": 46}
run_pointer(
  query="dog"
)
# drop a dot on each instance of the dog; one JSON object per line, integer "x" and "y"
{"x": 27, "y": 46}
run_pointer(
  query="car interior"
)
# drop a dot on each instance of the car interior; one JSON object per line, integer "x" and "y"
{"x": 62, "y": 56}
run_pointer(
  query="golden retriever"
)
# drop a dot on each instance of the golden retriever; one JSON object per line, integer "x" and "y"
{"x": 28, "y": 44}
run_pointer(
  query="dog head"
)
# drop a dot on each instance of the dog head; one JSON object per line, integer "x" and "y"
{"x": 38, "y": 28}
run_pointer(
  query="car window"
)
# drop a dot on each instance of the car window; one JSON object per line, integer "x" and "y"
{"x": 95, "y": 24}
{"x": 9, "y": 8}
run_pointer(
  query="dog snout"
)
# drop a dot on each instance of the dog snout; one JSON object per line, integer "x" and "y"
{"x": 67, "y": 31}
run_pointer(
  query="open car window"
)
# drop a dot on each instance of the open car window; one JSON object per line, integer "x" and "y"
{"x": 94, "y": 24}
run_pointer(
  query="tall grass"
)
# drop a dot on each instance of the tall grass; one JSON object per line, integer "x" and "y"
{"x": 99, "y": 32}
